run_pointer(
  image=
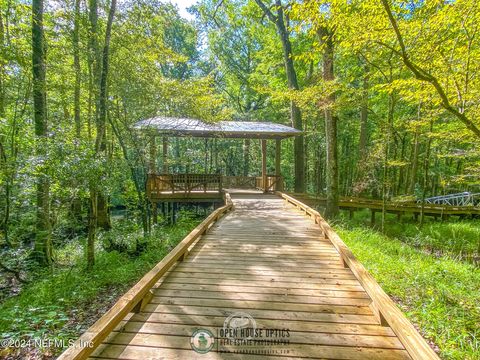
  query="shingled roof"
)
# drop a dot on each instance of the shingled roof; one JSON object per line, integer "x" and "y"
{"x": 228, "y": 129}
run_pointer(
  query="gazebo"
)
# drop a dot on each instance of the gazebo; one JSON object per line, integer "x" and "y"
{"x": 167, "y": 187}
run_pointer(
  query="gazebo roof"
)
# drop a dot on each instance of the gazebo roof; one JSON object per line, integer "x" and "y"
{"x": 227, "y": 129}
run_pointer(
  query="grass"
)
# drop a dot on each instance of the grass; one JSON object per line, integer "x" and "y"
{"x": 64, "y": 301}
{"x": 440, "y": 294}
{"x": 456, "y": 238}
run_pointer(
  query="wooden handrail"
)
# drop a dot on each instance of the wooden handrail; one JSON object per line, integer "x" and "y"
{"x": 104, "y": 326}
{"x": 383, "y": 305}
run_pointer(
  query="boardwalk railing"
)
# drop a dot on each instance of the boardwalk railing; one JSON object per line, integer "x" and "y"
{"x": 239, "y": 182}
{"x": 459, "y": 199}
{"x": 182, "y": 183}
{"x": 346, "y": 203}
{"x": 382, "y": 305}
{"x": 274, "y": 183}
{"x": 165, "y": 185}
{"x": 139, "y": 295}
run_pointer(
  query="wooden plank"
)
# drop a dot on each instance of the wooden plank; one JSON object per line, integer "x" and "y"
{"x": 363, "y": 316}
{"x": 129, "y": 352}
{"x": 185, "y": 279}
{"x": 277, "y": 241}
{"x": 256, "y": 266}
{"x": 265, "y": 235}
{"x": 294, "y": 325}
{"x": 98, "y": 331}
{"x": 295, "y": 337}
{"x": 161, "y": 342}
{"x": 220, "y": 263}
{"x": 416, "y": 346}
{"x": 279, "y": 251}
{"x": 258, "y": 304}
{"x": 210, "y": 254}
{"x": 285, "y": 291}
{"x": 265, "y": 297}
{"x": 226, "y": 246}
{"x": 342, "y": 273}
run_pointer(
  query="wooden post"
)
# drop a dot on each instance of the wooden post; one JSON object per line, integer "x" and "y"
{"x": 165, "y": 155}
{"x": 278, "y": 170}
{"x": 153, "y": 156}
{"x": 264, "y": 165}
{"x": 152, "y": 165}
{"x": 372, "y": 219}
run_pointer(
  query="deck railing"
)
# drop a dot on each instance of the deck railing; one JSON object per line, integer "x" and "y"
{"x": 182, "y": 183}
{"x": 274, "y": 183}
{"x": 159, "y": 185}
{"x": 239, "y": 182}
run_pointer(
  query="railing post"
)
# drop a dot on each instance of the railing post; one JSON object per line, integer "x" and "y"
{"x": 264, "y": 165}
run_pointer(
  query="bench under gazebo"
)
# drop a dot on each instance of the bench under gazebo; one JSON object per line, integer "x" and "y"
{"x": 195, "y": 187}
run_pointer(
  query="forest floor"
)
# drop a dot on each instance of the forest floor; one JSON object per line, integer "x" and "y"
{"x": 60, "y": 304}
{"x": 431, "y": 273}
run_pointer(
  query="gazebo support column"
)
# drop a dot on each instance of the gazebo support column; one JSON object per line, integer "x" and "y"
{"x": 165, "y": 155}
{"x": 152, "y": 169}
{"x": 264, "y": 165}
{"x": 278, "y": 171}
{"x": 165, "y": 171}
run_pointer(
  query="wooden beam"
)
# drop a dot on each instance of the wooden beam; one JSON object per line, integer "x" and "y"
{"x": 278, "y": 159}
{"x": 152, "y": 160}
{"x": 165, "y": 155}
{"x": 264, "y": 165}
{"x": 384, "y": 307}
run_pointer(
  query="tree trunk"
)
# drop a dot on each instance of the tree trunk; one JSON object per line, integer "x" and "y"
{"x": 103, "y": 210}
{"x": 414, "y": 167}
{"x": 77, "y": 203}
{"x": 362, "y": 143}
{"x": 386, "y": 178}
{"x": 426, "y": 165}
{"x": 43, "y": 245}
{"x": 326, "y": 37}
{"x": 295, "y": 113}
{"x": 3, "y": 155}
{"x": 77, "y": 69}
{"x": 97, "y": 201}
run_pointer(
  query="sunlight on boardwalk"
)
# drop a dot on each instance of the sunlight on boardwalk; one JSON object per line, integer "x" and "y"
{"x": 269, "y": 261}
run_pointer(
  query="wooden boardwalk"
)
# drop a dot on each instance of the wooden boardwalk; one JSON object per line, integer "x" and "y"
{"x": 269, "y": 261}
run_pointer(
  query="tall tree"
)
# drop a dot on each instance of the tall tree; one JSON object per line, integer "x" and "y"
{"x": 325, "y": 36}
{"x": 95, "y": 53}
{"x": 95, "y": 195}
{"x": 295, "y": 112}
{"x": 43, "y": 245}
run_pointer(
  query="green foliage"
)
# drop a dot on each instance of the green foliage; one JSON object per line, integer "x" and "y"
{"x": 62, "y": 302}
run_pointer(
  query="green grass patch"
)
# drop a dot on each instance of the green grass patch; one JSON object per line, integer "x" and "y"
{"x": 61, "y": 303}
{"x": 456, "y": 238}
{"x": 438, "y": 293}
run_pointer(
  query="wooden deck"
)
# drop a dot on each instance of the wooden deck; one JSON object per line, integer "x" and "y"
{"x": 268, "y": 260}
